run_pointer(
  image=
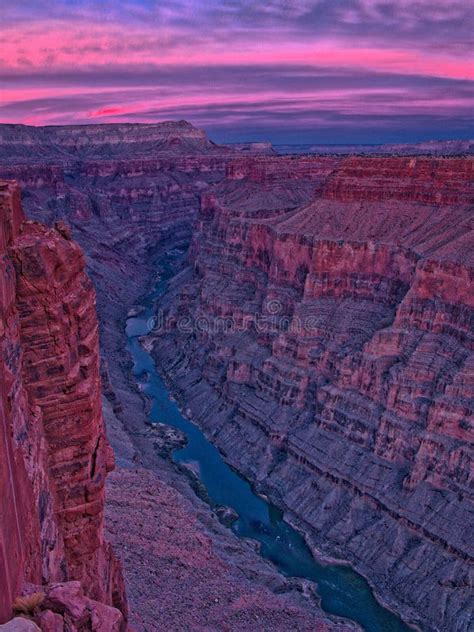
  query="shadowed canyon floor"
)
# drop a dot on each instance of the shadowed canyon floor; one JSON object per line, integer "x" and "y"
{"x": 349, "y": 402}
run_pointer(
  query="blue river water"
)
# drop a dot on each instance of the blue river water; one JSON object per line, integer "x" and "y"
{"x": 342, "y": 591}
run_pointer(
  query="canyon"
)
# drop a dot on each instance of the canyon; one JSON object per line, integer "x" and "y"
{"x": 318, "y": 329}
{"x": 152, "y": 511}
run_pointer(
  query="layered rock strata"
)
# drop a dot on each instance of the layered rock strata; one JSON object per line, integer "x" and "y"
{"x": 126, "y": 213}
{"x": 327, "y": 349}
{"x": 79, "y": 141}
{"x": 130, "y": 194}
{"x": 55, "y": 452}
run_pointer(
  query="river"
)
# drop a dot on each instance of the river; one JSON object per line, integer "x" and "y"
{"x": 342, "y": 591}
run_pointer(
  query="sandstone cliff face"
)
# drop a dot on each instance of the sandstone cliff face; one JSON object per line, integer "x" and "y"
{"x": 23, "y": 478}
{"x": 54, "y": 450}
{"x": 331, "y": 360}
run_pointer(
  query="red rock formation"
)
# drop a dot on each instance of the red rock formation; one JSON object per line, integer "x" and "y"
{"x": 360, "y": 424}
{"x": 126, "y": 201}
{"x": 20, "y": 553}
{"x": 52, "y": 435}
{"x": 344, "y": 383}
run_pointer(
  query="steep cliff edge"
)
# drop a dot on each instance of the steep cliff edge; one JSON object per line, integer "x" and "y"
{"x": 327, "y": 348}
{"x": 54, "y": 451}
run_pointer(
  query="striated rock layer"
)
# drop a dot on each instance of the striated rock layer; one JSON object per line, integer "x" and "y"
{"x": 54, "y": 452}
{"x": 127, "y": 205}
{"x": 357, "y": 423}
{"x": 327, "y": 348}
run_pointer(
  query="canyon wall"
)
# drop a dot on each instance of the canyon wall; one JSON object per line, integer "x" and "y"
{"x": 129, "y": 198}
{"x": 129, "y": 192}
{"x": 327, "y": 348}
{"x": 321, "y": 335}
{"x": 54, "y": 452}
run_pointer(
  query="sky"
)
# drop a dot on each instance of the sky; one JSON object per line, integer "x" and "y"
{"x": 288, "y": 71}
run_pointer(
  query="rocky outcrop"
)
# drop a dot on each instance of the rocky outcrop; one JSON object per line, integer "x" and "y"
{"x": 55, "y": 454}
{"x": 327, "y": 349}
{"x": 23, "y": 478}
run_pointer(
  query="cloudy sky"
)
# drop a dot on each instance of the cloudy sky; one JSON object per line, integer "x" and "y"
{"x": 329, "y": 71}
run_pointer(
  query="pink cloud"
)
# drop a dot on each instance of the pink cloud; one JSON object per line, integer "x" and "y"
{"x": 47, "y": 46}
{"x": 237, "y": 46}
{"x": 108, "y": 112}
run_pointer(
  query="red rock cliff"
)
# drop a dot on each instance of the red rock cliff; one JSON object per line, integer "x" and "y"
{"x": 54, "y": 454}
{"x": 343, "y": 379}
